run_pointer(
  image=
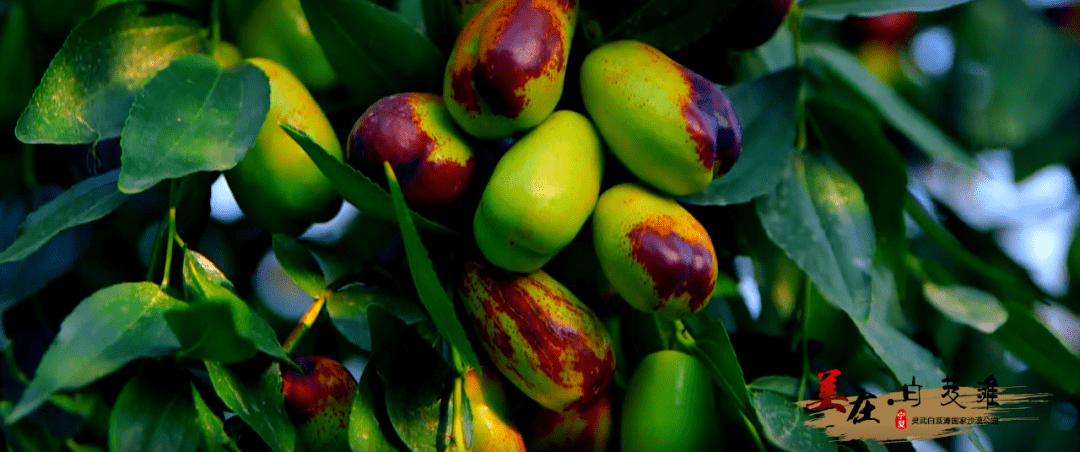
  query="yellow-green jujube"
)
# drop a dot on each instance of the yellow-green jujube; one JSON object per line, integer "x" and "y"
{"x": 540, "y": 194}
{"x": 279, "y": 30}
{"x": 276, "y": 184}
{"x": 669, "y": 126}
{"x": 227, "y": 54}
{"x": 493, "y": 427}
{"x": 669, "y": 406}
{"x": 656, "y": 254}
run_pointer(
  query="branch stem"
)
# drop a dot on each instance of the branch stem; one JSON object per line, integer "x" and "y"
{"x": 305, "y": 322}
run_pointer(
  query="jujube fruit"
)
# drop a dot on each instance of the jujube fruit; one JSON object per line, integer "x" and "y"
{"x": 493, "y": 429}
{"x": 541, "y": 193}
{"x": 669, "y": 126}
{"x": 319, "y": 399}
{"x": 539, "y": 335}
{"x": 507, "y": 67}
{"x": 669, "y": 405}
{"x": 279, "y": 30}
{"x": 888, "y": 28}
{"x": 414, "y": 132}
{"x": 276, "y": 184}
{"x": 752, "y": 22}
{"x": 657, "y": 255}
{"x": 586, "y": 429}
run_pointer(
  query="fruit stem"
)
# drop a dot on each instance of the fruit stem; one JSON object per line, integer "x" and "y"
{"x": 305, "y": 322}
{"x": 459, "y": 427}
{"x": 13, "y": 365}
{"x": 29, "y": 172}
{"x": 808, "y": 287}
{"x": 683, "y": 336}
{"x": 794, "y": 21}
{"x": 215, "y": 25}
{"x": 754, "y": 433}
{"x": 172, "y": 233}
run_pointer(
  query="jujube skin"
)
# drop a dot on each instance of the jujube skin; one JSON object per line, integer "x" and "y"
{"x": 539, "y": 335}
{"x": 508, "y": 65}
{"x": 319, "y": 398}
{"x": 540, "y": 194}
{"x": 493, "y": 428}
{"x": 278, "y": 30}
{"x": 656, "y": 254}
{"x": 670, "y": 405}
{"x": 582, "y": 429}
{"x": 276, "y": 184}
{"x": 415, "y": 134}
{"x": 672, "y": 128}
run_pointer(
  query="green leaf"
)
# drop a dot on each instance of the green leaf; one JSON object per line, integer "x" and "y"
{"x": 211, "y": 427}
{"x": 817, "y": 215}
{"x": 1029, "y": 339}
{"x": 903, "y": 356}
{"x": 839, "y": 9}
{"x": 354, "y": 36}
{"x": 857, "y": 140}
{"x": 84, "y": 202}
{"x": 88, "y": 89}
{"x": 348, "y": 309}
{"x": 25, "y": 277}
{"x": 299, "y": 264}
{"x": 784, "y": 385}
{"x": 668, "y": 24}
{"x": 153, "y": 416}
{"x": 258, "y": 401}
{"x": 440, "y": 22}
{"x": 354, "y": 186}
{"x": 896, "y": 111}
{"x": 967, "y": 305}
{"x": 107, "y": 330}
{"x": 365, "y": 434}
{"x": 192, "y": 116}
{"x": 784, "y": 421}
{"x": 217, "y": 325}
{"x": 202, "y": 278}
{"x": 428, "y": 287}
{"x": 208, "y": 330}
{"x": 416, "y": 413}
{"x": 715, "y": 350}
{"x": 766, "y": 110}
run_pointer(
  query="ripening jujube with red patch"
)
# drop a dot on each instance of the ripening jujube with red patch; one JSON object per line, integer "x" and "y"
{"x": 415, "y": 134}
{"x": 539, "y": 335}
{"x": 657, "y": 255}
{"x": 672, "y": 128}
{"x": 581, "y": 430}
{"x": 318, "y": 399}
{"x": 507, "y": 67}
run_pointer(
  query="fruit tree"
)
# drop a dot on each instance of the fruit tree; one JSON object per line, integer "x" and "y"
{"x": 543, "y": 225}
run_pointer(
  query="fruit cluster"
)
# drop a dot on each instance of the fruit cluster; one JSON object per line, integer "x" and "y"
{"x": 673, "y": 130}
